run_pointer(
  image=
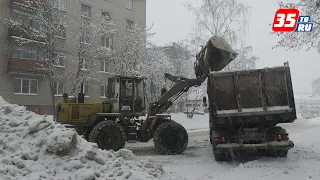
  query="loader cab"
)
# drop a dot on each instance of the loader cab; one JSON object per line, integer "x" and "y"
{"x": 127, "y": 95}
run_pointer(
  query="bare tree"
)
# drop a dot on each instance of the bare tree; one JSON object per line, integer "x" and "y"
{"x": 95, "y": 48}
{"x": 296, "y": 41}
{"x": 244, "y": 61}
{"x": 225, "y": 18}
{"x": 49, "y": 23}
{"x": 130, "y": 55}
{"x": 157, "y": 64}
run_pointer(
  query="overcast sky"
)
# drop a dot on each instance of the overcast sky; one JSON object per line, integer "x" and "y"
{"x": 173, "y": 22}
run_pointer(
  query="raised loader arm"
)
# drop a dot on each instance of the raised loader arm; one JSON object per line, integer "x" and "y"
{"x": 216, "y": 55}
{"x": 181, "y": 86}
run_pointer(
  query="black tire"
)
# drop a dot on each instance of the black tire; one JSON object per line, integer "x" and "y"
{"x": 279, "y": 130}
{"x": 86, "y": 134}
{"x": 170, "y": 138}
{"x": 282, "y": 153}
{"x": 109, "y": 135}
{"x": 221, "y": 156}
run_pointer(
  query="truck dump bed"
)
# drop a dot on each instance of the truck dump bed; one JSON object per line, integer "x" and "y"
{"x": 259, "y": 93}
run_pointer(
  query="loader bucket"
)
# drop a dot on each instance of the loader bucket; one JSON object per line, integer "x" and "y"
{"x": 219, "y": 53}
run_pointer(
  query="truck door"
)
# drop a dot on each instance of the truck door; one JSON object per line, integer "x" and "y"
{"x": 126, "y": 96}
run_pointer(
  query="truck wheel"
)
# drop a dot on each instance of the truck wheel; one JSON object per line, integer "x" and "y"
{"x": 278, "y": 130}
{"x": 272, "y": 153}
{"x": 220, "y": 157}
{"x": 109, "y": 135}
{"x": 170, "y": 138}
{"x": 282, "y": 153}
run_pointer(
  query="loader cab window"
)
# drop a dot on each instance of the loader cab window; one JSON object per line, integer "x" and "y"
{"x": 126, "y": 89}
{"x": 110, "y": 89}
{"x": 139, "y": 95}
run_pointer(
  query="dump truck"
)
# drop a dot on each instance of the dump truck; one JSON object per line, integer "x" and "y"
{"x": 245, "y": 108}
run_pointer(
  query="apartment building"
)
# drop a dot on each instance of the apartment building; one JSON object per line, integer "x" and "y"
{"x": 316, "y": 86}
{"x": 21, "y": 84}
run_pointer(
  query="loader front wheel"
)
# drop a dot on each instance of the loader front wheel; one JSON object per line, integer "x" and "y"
{"x": 170, "y": 138}
{"x": 109, "y": 135}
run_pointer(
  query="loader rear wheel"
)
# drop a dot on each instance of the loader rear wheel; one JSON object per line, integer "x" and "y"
{"x": 108, "y": 135}
{"x": 170, "y": 138}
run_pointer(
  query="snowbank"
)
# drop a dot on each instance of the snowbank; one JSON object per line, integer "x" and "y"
{"x": 33, "y": 147}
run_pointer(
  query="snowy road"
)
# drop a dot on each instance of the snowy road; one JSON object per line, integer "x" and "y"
{"x": 197, "y": 161}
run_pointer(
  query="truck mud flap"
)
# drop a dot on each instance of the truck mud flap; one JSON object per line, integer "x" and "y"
{"x": 282, "y": 145}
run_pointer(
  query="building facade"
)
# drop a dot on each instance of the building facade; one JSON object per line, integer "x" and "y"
{"x": 21, "y": 84}
{"x": 316, "y": 86}
{"x": 308, "y": 105}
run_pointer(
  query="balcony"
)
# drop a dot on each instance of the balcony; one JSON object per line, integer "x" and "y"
{"x": 21, "y": 31}
{"x": 23, "y": 5}
{"x": 26, "y": 66}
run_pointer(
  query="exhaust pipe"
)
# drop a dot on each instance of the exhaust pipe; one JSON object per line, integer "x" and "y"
{"x": 81, "y": 95}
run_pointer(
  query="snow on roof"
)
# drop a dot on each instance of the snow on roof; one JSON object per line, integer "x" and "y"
{"x": 310, "y": 97}
{"x": 34, "y": 147}
{"x": 316, "y": 80}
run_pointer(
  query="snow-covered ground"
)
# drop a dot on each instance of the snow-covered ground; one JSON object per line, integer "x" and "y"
{"x": 197, "y": 161}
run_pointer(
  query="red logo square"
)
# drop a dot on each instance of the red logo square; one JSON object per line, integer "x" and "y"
{"x": 285, "y": 20}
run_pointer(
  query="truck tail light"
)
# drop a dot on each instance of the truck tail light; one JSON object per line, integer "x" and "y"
{"x": 219, "y": 139}
{"x": 281, "y": 137}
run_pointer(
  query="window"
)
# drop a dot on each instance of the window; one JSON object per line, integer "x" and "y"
{"x": 85, "y": 38}
{"x": 86, "y": 90}
{"x": 105, "y": 66}
{"x": 61, "y": 31}
{"x": 85, "y": 64}
{"x": 106, "y": 15}
{"x": 103, "y": 91}
{"x": 26, "y": 21}
{"x": 107, "y": 42}
{"x": 58, "y": 88}
{"x": 34, "y": 24}
{"x": 110, "y": 88}
{"x": 130, "y": 24}
{"x": 60, "y": 4}
{"x": 86, "y": 11}
{"x": 126, "y": 89}
{"x": 26, "y": 52}
{"x": 25, "y": 86}
{"x": 130, "y": 4}
{"x": 59, "y": 59}
{"x": 129, "y": 49}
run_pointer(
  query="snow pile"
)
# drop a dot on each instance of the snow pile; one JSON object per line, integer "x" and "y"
{"x": 32, "y": 147}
